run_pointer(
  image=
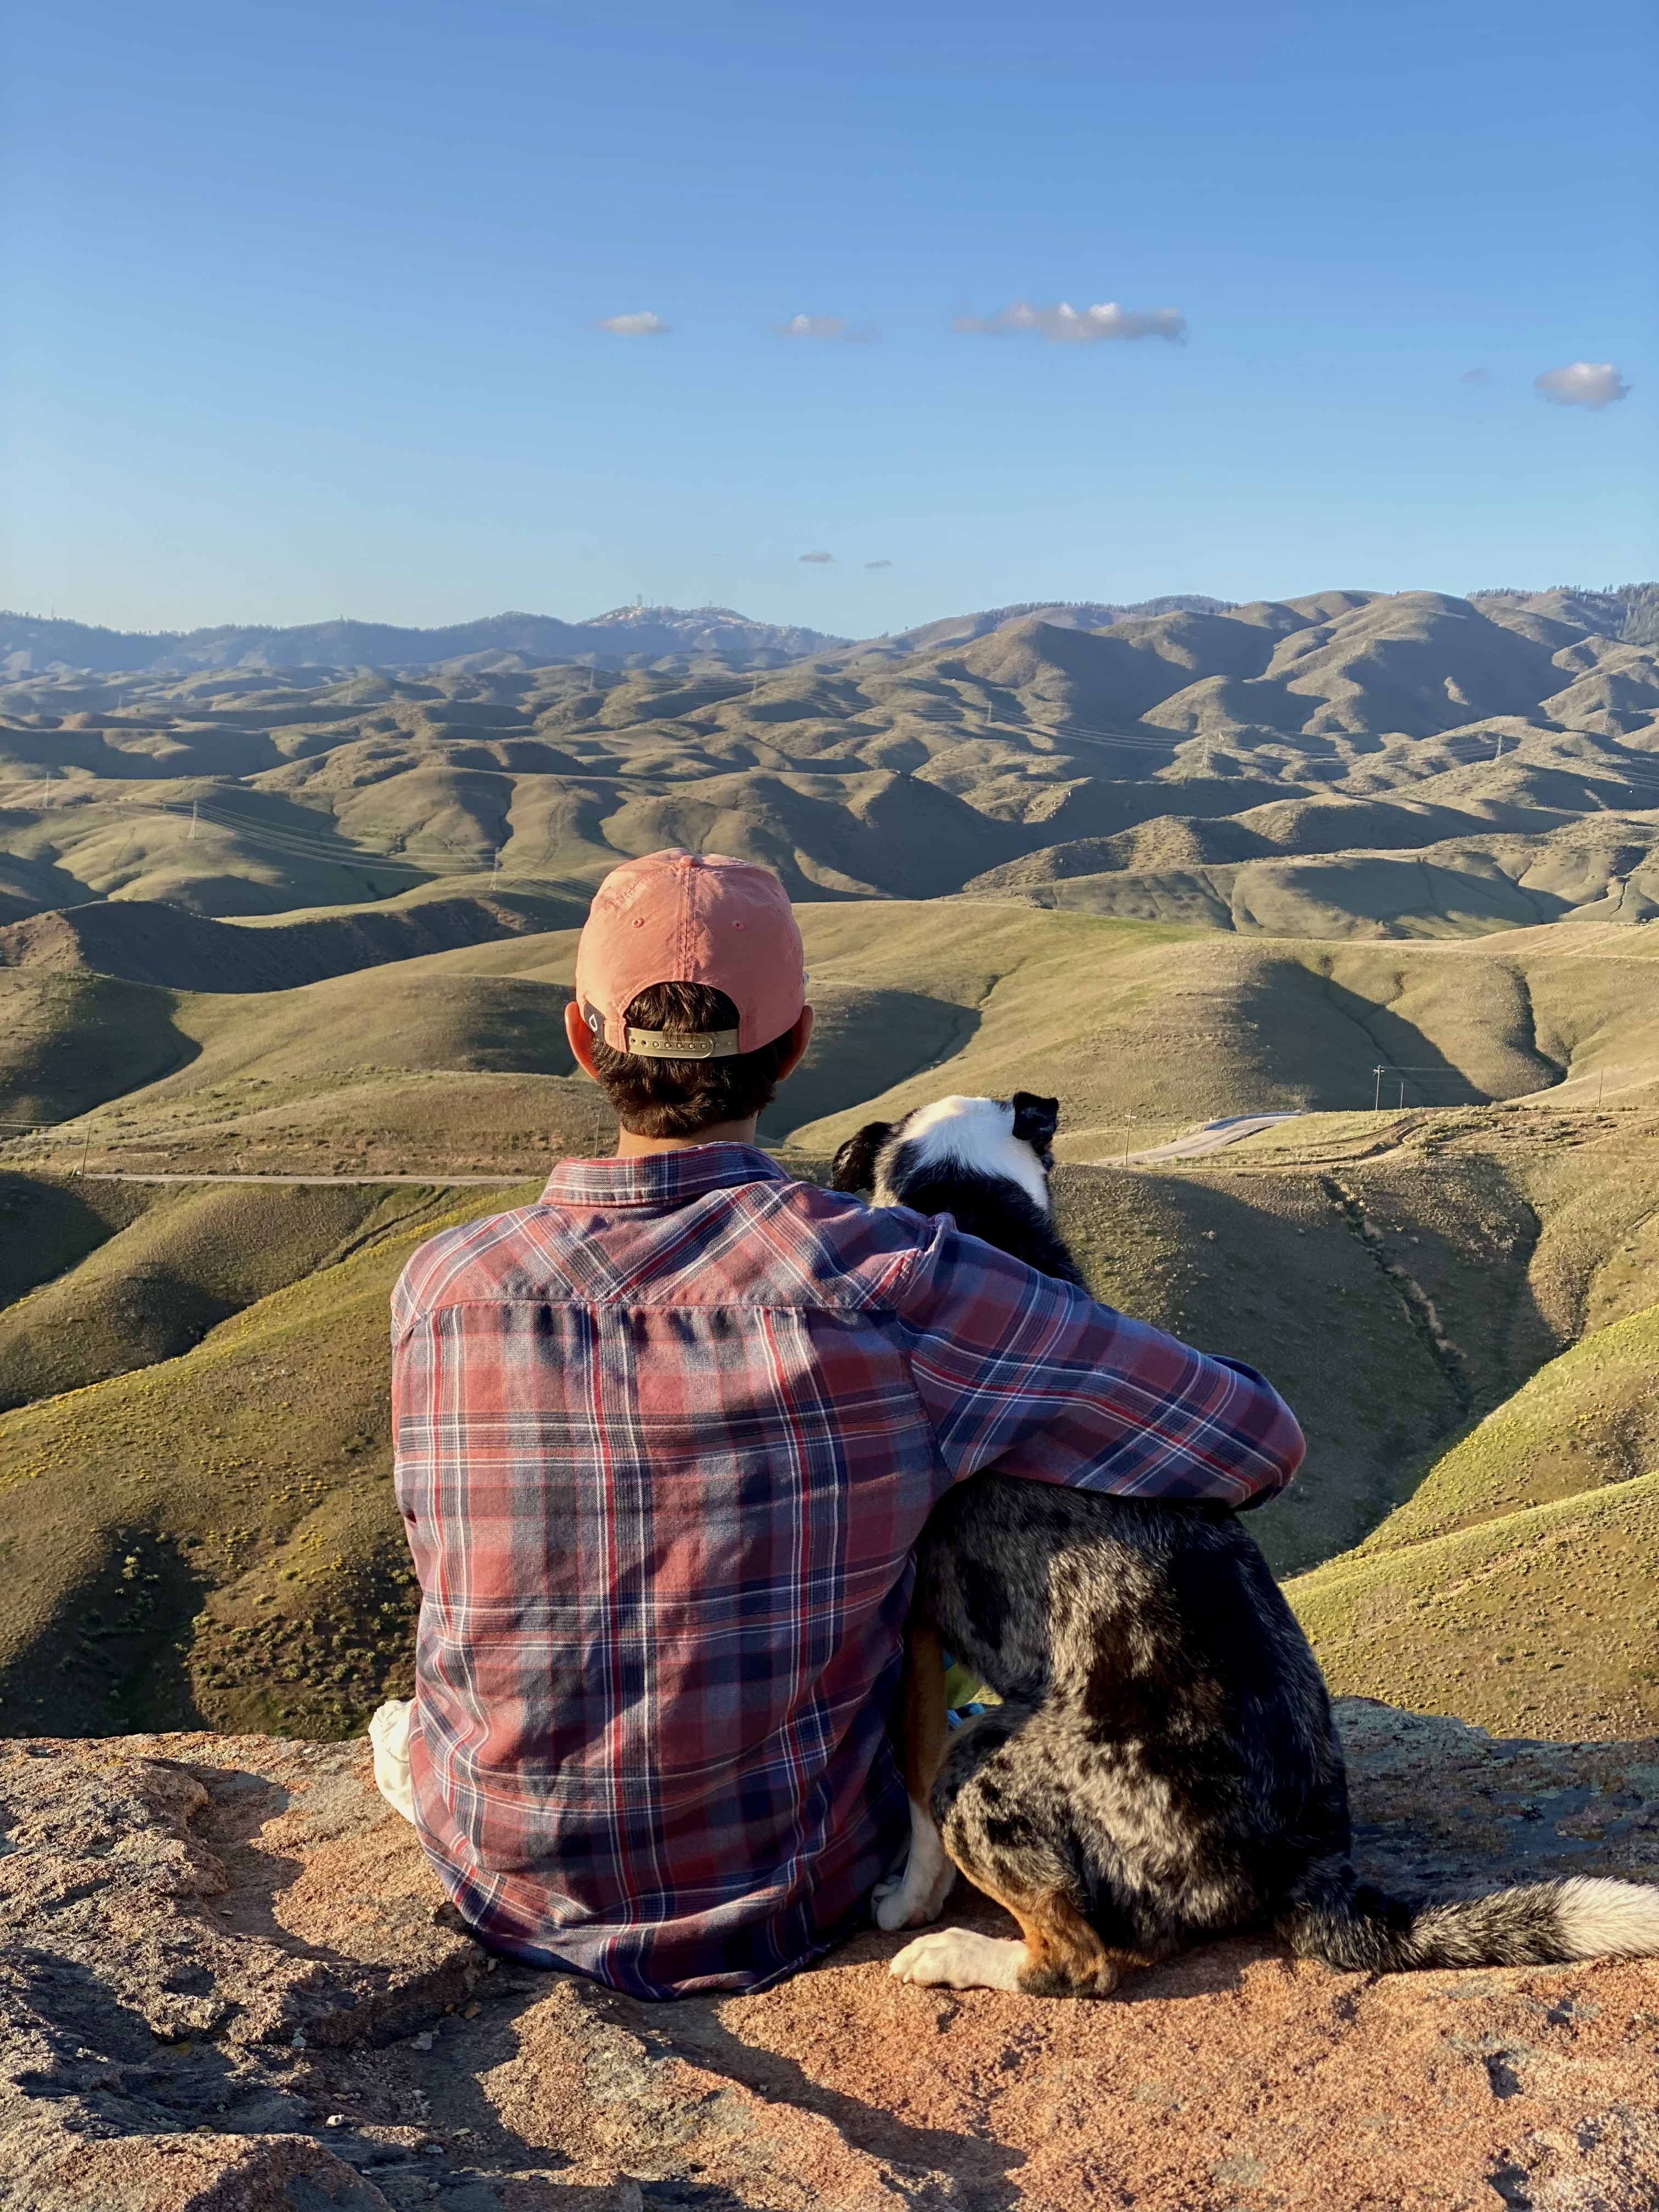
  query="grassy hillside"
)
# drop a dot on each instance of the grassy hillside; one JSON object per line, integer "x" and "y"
{"x": 1453, "y": 1275}
{"x": 141, "y": 942}
{"x": 48, "y": 1225}
{"x": 1542, "y": 1623}
{"x": 193, "y": 1257}
{"x": 1588, "y": 1419}
{"x": 456, "y": 1062}
{"x": 69, "y": 1042}
{"x": 211, "y": 1541}
{"x": 1348, "y": 764}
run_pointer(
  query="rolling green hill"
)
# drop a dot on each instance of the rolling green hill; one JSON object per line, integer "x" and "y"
{"x": 194, "y": 1256}
{"x": 456, "y": 1062}
{"x": 212, "y": 1541}
{"x": 1348, "y": 764}
{"x": 209, "y": 1537}
{"x": 1542, "y": 1624}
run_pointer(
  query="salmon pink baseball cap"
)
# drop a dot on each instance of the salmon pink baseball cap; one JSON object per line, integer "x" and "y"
{"x": 680, "y": 917}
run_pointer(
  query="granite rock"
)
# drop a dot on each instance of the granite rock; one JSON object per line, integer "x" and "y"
{"x": 230, "y": 1982}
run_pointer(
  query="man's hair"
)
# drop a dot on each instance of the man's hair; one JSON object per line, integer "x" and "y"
{"x": 679, "y": 1098}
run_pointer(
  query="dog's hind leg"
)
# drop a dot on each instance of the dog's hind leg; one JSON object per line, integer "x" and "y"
{"x": 912, "y": 1897}
{"x": 1059, "y": 1954}
{"x": 1003, "y": 1817}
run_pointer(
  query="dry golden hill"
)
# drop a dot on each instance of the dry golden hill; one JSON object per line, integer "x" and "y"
{"x": 456, "y": 1062}
{"x": 1485, "y": 766}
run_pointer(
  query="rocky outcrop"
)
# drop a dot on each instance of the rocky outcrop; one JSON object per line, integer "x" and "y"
{"x": 231, "y": 1985}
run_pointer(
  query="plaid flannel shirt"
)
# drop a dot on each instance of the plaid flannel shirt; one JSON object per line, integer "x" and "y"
{"x": 666, "y": 1441}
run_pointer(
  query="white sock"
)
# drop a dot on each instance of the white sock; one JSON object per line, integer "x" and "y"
{"x": 388, "y": 1731}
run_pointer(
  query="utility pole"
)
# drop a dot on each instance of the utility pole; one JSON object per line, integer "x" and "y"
{"x": 496, "y": 869}
{"x": 190, "y": 840}
{"x": 1376, "y": 1101}
{"x": 1402, "y": 1094}
{"x": 1499, "y": 755}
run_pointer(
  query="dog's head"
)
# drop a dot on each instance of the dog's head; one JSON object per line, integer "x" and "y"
{"x": 1008, "y": 1139}
{"x": 854, "y": 1167}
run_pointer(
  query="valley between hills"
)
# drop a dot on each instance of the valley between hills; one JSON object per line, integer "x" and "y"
{"x": 1388, "y": 864}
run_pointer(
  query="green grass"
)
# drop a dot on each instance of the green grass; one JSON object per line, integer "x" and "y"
{"x": 71, "y": 1042}
{"x": 193, "y": 1257}
{"x": 1588, "y": 1419}
{"x": 1400, "y": 1276}
{"x": 48, "y": 1225}
{"x": 212, "y": 1542}
{"x": 1272, "y": 1269}
{"x": 1542, "y": 1623}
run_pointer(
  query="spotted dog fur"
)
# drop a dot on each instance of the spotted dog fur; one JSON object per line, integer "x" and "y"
{"x": 1163, "y": 1767}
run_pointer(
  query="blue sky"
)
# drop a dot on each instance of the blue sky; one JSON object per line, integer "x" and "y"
{"x": 304, "y": 304}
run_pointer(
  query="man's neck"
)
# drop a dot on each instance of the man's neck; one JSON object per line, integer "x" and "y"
{"x": 630, "y": 1146}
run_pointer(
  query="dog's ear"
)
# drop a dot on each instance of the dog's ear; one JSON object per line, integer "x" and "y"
{"x": 854, "y": 1165}
{"x": 1035, "y": 1118}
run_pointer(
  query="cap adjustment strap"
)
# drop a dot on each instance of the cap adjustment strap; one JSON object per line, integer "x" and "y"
{"x": 684, "y": 1044}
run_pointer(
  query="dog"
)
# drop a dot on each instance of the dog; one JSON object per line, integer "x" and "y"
{"x": 1163, "y": 1768}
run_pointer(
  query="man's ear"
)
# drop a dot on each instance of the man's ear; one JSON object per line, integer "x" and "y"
{"x": 800, "y": 1037}
{"x": 579, "y": 1036}
{"x": 1035, "y": 1118}
{"x": 854, "y": 1165}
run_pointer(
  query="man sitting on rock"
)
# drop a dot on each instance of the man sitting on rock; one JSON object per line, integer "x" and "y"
{"x": 665, "y": 1441}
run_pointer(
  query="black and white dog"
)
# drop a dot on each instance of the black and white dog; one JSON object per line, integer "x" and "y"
{"x": 986, "y": 1161}
{"x": 1163, "y": 1767}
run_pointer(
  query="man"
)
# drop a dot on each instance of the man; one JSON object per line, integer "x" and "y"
{"x": 666, "y": 1442}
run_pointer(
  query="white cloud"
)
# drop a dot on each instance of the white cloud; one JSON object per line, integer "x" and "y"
{"x": 1582, "y": 384}
{"x": 825, "y": 327}
{"x": 1065, "y": 325}
{"x": 1476, "y": 376}
{"x": 818, "y": 557}
{"x": 644, "y": 324}
{"x": 878, "y": 564}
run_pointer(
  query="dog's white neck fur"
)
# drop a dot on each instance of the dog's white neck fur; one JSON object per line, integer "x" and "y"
{"x": 977, "y": 1134}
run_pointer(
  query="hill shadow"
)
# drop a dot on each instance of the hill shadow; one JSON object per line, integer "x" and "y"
{"x": 46, "y": 1228}
{"x": 112, "y": 1657}
{"x": 1346, "y": 1318}
{"x": 1406, "y": 1055}
{"x": 89, "y": 1039}
{"x": 864, "y": 1042}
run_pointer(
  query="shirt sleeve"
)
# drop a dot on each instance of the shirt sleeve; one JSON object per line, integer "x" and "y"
{"x": 1033, "y": 1376}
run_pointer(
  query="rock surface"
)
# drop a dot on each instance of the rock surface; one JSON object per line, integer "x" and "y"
{"x": 231, "y": 1985}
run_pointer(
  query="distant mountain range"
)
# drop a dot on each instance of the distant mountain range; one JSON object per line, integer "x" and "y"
{"x": 627, "y": 637}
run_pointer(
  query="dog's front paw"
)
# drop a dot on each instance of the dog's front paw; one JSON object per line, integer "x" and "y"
{"x": 957, "y": 1958}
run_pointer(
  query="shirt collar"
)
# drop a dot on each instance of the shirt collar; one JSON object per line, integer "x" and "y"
{"x": 660, "y": 1178}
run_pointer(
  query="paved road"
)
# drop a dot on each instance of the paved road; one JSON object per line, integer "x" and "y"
{"x": 104, "y": 1175}
{"x": 1212, "y": 1136}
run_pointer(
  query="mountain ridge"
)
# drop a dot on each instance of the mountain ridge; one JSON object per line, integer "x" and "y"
{"x": 36, "y": 644}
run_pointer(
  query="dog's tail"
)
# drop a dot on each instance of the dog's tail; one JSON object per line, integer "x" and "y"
{"x": 1337, "y": 1917}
